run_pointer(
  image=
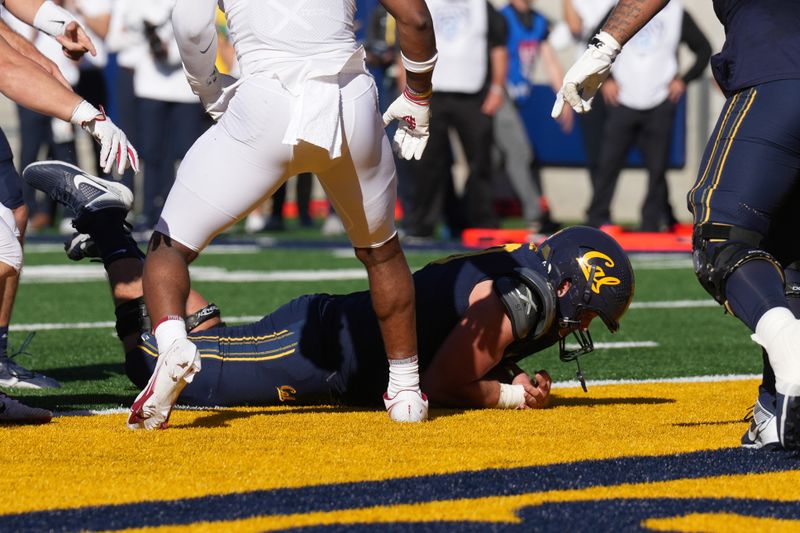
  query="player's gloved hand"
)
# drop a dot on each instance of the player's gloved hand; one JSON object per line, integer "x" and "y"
{"x": 414, "y": 113}
{"x": 114, "y": 144}
{"x": 585, "y": 77}
{"x": 215, "y": 92}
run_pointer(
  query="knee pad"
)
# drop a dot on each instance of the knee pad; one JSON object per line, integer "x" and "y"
{"x": 719, "y": 249}
{"x": 132, "y": 317}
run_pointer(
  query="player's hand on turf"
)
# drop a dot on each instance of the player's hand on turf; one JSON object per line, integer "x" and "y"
{"x": 413, "y": 112}
{"x": 537, "y": 390}
{"x": 114, "y": 144}
{"x": 75, "y": 42}
{"x": 585, "y": 77}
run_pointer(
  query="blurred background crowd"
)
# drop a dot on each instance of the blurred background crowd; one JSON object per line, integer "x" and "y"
{"x": 495, "y": 157}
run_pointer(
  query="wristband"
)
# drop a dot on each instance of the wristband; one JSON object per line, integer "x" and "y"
{"x": 418, "y": 98}
{"x": 52, "y": 19}
{"x": 606, "y": 40}
{"x": 497, "y": 89}
{"x": 419, "y": 67}
{"x": 511, "y": 396}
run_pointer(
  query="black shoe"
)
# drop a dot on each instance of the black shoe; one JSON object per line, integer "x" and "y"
{"x": 75, "y": 189}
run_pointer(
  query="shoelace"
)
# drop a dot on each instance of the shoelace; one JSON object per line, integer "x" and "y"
{"x": 14, "y": 368}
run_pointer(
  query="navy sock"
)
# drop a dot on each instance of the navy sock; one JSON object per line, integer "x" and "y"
{"x": 753, "y": 289}
{"x": 3, "y": 339}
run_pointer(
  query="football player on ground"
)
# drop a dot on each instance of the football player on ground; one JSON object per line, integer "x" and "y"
{"x": 479, "y": 313}
{"x": 32, "y": 80}
{"x": 746, "y": 250}
{"x": 305, "y": 103}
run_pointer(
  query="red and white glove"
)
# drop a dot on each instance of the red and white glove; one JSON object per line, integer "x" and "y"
{"x": 114, "y": 144}
{"x": 414, "y": 113}
{"x": 585, "y": 77}
{"x": 215, "y": 92}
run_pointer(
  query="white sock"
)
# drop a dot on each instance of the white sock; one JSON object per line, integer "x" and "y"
{"x": 777, "y": 332}
{"x": 168, "y": 331}
{"x": 403, "y": 375}
{"x": 771, "y": 324}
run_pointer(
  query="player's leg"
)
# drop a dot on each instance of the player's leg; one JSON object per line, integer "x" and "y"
{"x": 362, "y": 186}
{"x": 231, "y": 168}
{"x": 11, "y": 197}
{"x": 12, "y": 411}
{"x": 747, "y": 175}
{"x": 101, "y": 218}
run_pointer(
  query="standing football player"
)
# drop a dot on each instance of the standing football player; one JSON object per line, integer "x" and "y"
{"x": 33, "y": 81}
{"x": 305, "y": 103}
{"x": 480, "y": 313}
{"x": 746, "y": 251}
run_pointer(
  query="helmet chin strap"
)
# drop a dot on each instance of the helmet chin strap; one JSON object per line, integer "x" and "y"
{"x": 585, "y": 345}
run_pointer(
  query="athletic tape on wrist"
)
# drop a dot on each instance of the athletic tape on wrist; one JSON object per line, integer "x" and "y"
{"x": 419, "y": 67}
{"x": 52, "y": 19}
{"x": 511, "y": 396}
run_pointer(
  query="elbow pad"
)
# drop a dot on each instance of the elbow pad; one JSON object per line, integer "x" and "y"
{"x": 529, "y": 300}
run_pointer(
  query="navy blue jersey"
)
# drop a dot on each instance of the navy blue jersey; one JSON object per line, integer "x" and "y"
{"x": 328, "y": 348}
{"x": 762, "y": 43}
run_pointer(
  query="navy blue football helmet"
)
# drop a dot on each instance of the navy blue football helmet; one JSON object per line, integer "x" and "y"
{"x": 601, "y": 282}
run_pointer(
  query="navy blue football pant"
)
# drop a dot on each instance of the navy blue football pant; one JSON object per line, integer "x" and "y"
{"x": 10, "y": 182}
{"x": 282, "y": 358}
{"x": 750, "y": 178}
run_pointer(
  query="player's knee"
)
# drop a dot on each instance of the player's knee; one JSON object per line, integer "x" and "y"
{"x": 386, "y": 252}
{"x": 163, "y": 243}
{"x": 10, "y": 256}
{"x": 719, "y": 249}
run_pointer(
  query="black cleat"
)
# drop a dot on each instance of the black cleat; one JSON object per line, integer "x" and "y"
{"x": 75, "y": 189}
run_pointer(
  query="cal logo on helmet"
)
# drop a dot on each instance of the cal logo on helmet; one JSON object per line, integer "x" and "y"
{"x": 592, "y": 265}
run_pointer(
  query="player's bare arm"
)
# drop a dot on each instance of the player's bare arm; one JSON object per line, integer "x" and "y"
{"x": 629, "y": 16}
{"x": 584, "y": 78}
{"x": 418, "y": 57}
{"x": 26, "y": 48}
{"x": 55, "y": 21}
{"x": 474, "y": 347}
{"x": 25, "y": 82}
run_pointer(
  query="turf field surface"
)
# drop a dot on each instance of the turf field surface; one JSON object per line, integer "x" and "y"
{"x": 657, "y": 453}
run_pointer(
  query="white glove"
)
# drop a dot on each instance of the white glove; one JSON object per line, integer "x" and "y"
{"x": 585, "y": 77}
{"x": 414, "y": 115}
{"x": 215, "y": 92}
{"x": 114, "y": 144}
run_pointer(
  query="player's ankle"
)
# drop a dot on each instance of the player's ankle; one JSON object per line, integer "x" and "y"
{"x": 169, "y": 329}
{"x": 403, "y": 375}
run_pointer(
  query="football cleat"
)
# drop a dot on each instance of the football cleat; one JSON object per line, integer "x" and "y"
{"x": 175, "y": 369}
{"x": 407, "y": 406}
{"x": 80, "y": 246}
{"x": 13, "y": 375}
{"x": 14, "y": 412}
{"x": 763, "y": 430}
{"x": 79, "y": 191}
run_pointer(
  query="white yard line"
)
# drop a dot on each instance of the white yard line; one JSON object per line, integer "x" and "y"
{"x": 617, "y": 345}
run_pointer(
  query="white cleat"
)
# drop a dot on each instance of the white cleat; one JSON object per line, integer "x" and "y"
{"x": 407, "y": 406}
{"x": 763, "y": 430}
{"x": 14, "y": 412}
{"x": 175, "y": 369}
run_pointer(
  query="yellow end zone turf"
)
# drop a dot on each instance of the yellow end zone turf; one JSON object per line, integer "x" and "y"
{"x": 81, "y": 461}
